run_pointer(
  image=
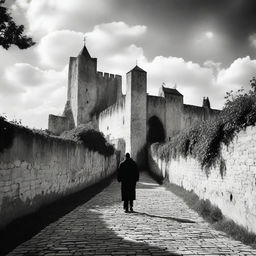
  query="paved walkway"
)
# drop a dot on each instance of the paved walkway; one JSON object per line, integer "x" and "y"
{"x": 162, "y": 225}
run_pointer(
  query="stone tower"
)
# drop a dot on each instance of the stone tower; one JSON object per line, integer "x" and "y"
{"x": 136, "y": 114}
{"x": 89, "y": 93}
{"x": 174, "y": 106}
{"x": 82, "y": 89}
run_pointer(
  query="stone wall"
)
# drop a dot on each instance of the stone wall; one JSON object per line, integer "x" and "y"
{"x": 111, "y": 123}
{"x": 109, "y": 90}
{"x": 193, "y": 114}
{"x": 234, "y": 192}
{"x": 38, "y": 169}
{"x": 174, "y": 113}
{"x": 58, "y": 124}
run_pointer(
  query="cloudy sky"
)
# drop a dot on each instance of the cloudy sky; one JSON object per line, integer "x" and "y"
{"x": 205, "y": 47}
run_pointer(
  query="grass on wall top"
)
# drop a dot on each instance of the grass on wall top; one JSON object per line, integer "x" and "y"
{"x": 90, "y": 138}
{"x": 203, "y": 140}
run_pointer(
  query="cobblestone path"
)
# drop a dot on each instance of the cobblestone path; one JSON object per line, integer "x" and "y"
{"x": 161, "y": 225}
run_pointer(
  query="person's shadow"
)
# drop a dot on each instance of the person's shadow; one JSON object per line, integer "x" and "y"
{"x": 163, "y": 217}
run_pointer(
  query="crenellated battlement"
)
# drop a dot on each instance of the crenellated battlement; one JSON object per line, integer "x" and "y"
{"x": 105, "y": 75}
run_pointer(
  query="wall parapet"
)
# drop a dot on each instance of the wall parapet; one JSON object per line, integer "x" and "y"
{"x": 105, "y": 75}
{"x": 233, "y": 191}
{"x": 58, "y": 124}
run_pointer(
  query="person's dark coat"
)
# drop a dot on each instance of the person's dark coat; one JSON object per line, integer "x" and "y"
{"x": 128, "y": 175}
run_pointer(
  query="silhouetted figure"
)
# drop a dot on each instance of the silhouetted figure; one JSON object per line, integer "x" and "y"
{"x": 128, "y": 175}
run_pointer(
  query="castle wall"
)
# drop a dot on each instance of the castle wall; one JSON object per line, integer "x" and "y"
{"x": 234, "y": 192}
{"x": 58, "y": 124}
{"x": 156, "y": 107}
{"x": 112, "y": 124}
{"x": 73, "y": 86}
{"x": 109, "y": 90}
{"x": 193, "y": 114}
{"x": 174, "y": 113}
{"x": 38, "y": 169}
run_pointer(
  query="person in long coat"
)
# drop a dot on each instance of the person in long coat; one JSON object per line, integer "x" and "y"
{"x": 128, "y": 175}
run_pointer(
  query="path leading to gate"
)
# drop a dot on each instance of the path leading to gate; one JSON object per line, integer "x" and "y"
{"x": 162, "y": 225}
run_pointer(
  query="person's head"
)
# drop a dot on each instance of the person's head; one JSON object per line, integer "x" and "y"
{"x": 127, "y": 155}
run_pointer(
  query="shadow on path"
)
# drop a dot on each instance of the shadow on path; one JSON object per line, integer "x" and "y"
{"x": 24, "y": 228}
{"x": 163, "y": 217}
{"x": 86, "y": 230}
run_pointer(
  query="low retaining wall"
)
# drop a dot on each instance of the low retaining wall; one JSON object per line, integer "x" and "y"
{"x": 37, "y": 170}
{"x": 234, "y": 192}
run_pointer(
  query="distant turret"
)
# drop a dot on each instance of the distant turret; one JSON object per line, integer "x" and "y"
{"x": 165, "y": 91}
{"x": 84, "y": 52}
{"x": 206, "y": 103}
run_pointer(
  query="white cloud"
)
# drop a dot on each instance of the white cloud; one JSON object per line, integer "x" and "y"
{"x": 195, "y": 81}
{"x": 56, "y": 47}
{"x": 238, "y": 74}
{"x": 192, "y": 80}
{"x": 50, "y": 15}
{"x": 209, "y": 34}
{"x": 109, "y": 39}
{"x": 215, "y": 66}
{"x": 105, "y": 41}
{"x": 31, "y": 93}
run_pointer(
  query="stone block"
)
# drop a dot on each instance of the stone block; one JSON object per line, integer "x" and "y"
{"x": 24, "y": 165}
{"x": 17, "y": 163}
{"x": 10, "y": 166}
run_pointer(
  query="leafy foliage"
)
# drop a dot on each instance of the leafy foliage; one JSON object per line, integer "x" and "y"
{"x": 203, "y": 140}
{"x": 6, "y": 134}
{"x": 96, "y": 141}
{"x": 91, "y": 139}
{"x": 10, "y": 32}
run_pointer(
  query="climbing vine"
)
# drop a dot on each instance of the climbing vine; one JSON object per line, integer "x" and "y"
{"x": 203, "y": 140}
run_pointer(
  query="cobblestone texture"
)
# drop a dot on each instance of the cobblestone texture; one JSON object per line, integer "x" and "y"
{"x": 161, "y": 225}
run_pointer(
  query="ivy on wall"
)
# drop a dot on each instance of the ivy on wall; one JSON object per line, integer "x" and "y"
{"x": 91, "y": 139}
{"x": 203, "y": 140}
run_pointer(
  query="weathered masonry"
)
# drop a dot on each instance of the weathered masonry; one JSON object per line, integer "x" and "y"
{"x": 234, "y": 192}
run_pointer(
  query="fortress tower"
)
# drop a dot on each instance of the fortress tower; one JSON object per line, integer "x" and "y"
{"x": 82, "y": 86}
{"x": 89, "y": 93}
{"x": 136, "y": 113}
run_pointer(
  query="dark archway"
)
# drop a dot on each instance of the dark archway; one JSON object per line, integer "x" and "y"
{"x": 156, "y": 132}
